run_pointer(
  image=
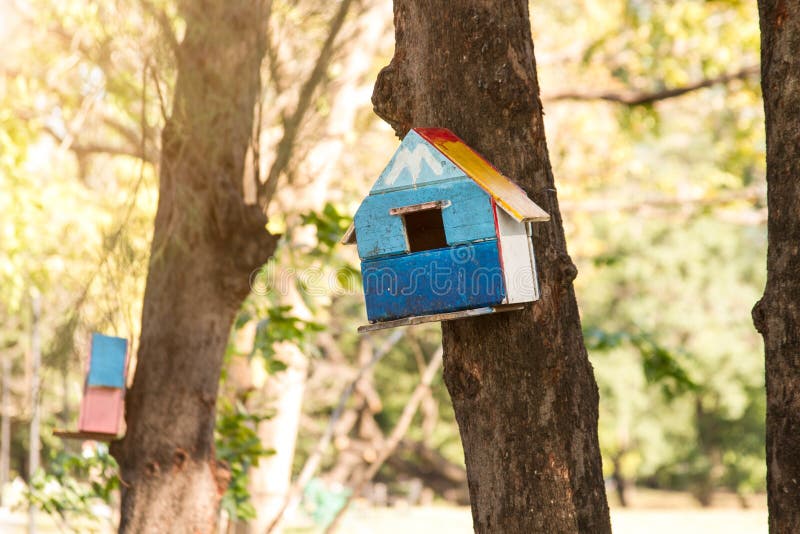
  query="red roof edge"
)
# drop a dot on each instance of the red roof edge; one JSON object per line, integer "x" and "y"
{"x": 437, "y": 134}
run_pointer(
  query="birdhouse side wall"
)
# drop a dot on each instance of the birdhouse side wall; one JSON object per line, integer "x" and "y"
{"x": 467, "y": 219}
{"x": 516, "y": 251}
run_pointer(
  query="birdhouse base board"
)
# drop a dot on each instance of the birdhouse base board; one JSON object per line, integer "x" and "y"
{"x": 436, "y": 317}
{"x": 85, "y": 436}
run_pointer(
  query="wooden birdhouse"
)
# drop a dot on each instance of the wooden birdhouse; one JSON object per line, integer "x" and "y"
{"x": 443, "y": 235}
{"x": 104, "y": 390}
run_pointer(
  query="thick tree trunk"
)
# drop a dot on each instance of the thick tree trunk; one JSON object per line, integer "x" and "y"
{"x": 206, "y": 243}
{"x": 521, "y": 383}
{"x": 777, "y": 314}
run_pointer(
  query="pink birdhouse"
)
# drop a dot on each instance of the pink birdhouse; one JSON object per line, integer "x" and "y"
{"x": 104, "y": 391}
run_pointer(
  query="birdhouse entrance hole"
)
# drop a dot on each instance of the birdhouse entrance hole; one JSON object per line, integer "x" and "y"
{"x": 425, "y": 230}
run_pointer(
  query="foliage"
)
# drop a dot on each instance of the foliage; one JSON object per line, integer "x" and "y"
{"x": 663, "y": 208}
{"x": 76, "y": 212}
{"x": 661, "y": 366}
{"x": 280, "y": 325}
{"x": 679, "y": 440}
{"x": 237, "y": 441}
{"x": 78, "y": 489}
{"x": 239, "y": 447}
{"x": 330, "y": 224}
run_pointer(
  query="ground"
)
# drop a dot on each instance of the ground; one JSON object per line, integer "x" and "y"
{"x": 651, "y": 512}
{"x": 458, "y": 521}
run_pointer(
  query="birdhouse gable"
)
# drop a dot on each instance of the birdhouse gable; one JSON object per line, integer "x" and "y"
{"x": 415, "y": 163}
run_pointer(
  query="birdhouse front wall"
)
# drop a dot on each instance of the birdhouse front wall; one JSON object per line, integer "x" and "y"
{"x": 467, "y": 217}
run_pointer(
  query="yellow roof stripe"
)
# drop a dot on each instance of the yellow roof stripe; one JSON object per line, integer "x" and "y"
{"x": 505, "y": 192}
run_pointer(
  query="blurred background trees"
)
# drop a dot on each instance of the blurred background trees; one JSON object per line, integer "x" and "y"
{"x": 663, "y": 204}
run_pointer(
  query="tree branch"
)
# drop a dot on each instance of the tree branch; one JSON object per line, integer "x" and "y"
{"x": 291, "y": 125}
{"x": 87, "y": 148}
{"x": 94, "y": 148}
{"x": 641, "y": 98}
{"x": 129, "y": 134}
{"x": 397, "y": 434}
{"x": 274, "y": 62}
{"x": 163, "y": 22}
{"x": 748, "y": 194}
{"x": 314, "y": 459}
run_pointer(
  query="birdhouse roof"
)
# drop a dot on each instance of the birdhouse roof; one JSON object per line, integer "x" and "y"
{"x": 406, "y": 170}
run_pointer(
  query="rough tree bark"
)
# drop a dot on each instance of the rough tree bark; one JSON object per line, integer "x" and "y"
{"x": 207, "y": 241}
{"x": 521, "y": 384}
{"x": 777, "y": 314}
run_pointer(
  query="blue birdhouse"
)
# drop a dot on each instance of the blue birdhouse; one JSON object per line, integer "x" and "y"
{"x": 443, "y": 235}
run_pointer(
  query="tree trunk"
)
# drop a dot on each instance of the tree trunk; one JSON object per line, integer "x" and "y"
{"x": 5, "y": 422}
{"x": 206, "y": 243}
{"x": 620, "y": 482}
{"x": 271, "y": 479}
{"x": 522, "y": 387}
{"x": 35, "y": 445}
{"x": 777, "y": 314}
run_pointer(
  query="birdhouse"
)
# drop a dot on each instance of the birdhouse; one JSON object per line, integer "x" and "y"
{"x": 443, "y": 235}
{"x": 104, "y": 390}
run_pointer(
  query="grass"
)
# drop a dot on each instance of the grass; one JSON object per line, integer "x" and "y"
{"x": 651, "y": 512}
